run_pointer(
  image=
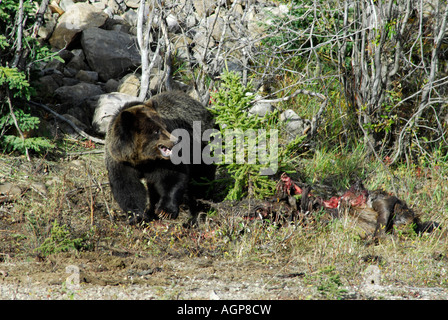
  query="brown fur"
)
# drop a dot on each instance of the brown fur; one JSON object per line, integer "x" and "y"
{"x": 147, "y": 133}
{"x": 138, "y": 144}
{"x": 374, "y": 212}
{"x": 382, "y": 213}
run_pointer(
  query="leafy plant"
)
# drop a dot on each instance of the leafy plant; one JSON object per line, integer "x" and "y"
{"x": 13, "y": 119}
{"x": 242, "y": 139}
{"x": 328, "y": 282}
{"x": 15, "y": 81}
{"x": 16, "y": 61}
{"x": 59, "y": 241}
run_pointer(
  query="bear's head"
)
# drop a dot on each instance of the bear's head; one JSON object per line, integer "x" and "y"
{"x": 138, "y": 134}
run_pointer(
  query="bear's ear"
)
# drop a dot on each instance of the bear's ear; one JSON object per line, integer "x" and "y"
{"x": 127, "y": 119}
{"x": 150, "y": 107}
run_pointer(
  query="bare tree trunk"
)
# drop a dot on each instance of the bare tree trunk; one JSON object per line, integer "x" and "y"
{"x": 40, "y": 17}
{"x": 143, "y": 40}
{"x": 19, "y": 49}
{"x": 168, "y": 75}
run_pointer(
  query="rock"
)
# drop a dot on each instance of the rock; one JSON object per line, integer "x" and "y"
{"x": 261, "y": 109}
{"x": 69, "y": 81}
{"x": 80, "y": 16}
{"x": 204, "y": 8}
{"x": 54, "y": 7}
{"x": 216, "y": 24}
{"x": 9, "y": 189}
{"x": 130, "y": 17}
{"x": 132, "y": 3}
{"x": 126, "y": 28}
{"x": 372, "y": 276}
{"x": 40, "y": 188}
{"x": 110, "y": 53}
{"x": 99, "y": 5}
{"x": 68, "y": 129}
{"x": 106, "y": 107}
{"x": 200, "y": 44}
{"x": 85, "y": 110}
{"x": 78, "y": 92}
{"x": 269, "y": 13}
{"x": 190, "y": 21}
{"x": 47, "y": 85}
{"x": 77, "y": 62}
{"x": 129, "y": 84}
{"x": 156, "y": 81}
{"x": 87, "y": 76}
{"x": 70, "y": 73}
{"x": 172, "y": 23}
{"x": 233, "y": 66}
{"x": 213, "y": 295}
{"x": 289, "y": 114}
{"x": 111, "y": 85}
{"x": 66, "y": 4}
{"x": 55, "y": 64}
{"x": 181, "y": 44}
{"x": 110, "y": 11}
{"x": 46, "y": 30}
{"x": 253, "y": 25}
{"x": 66, "y": 55}
{"x": 295, "y": 125}
{"x": 372, "y": 281}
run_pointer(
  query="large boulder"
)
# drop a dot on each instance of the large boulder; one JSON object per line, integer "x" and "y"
{"x": 77, "y": 93}
{"x": 110, "y": 53}
{"x": 80, "y": 16}
{"x": 129, "y": 84}
{"x": 108, "y": 105}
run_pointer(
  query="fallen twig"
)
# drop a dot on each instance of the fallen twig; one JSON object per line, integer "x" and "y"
{"x": 296, "y": 93}
{"x": 76, "y": 128}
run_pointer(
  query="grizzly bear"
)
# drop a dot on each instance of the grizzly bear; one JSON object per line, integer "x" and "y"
{"x": 138, "y": 148}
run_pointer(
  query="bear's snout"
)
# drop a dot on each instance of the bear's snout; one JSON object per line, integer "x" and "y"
{"x": 165, "y": 151}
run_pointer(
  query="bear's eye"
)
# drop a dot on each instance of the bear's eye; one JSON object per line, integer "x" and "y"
{"x": 157, "y": 132}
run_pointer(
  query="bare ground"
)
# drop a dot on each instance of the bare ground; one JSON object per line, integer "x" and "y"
{"x": 222, "y": 258}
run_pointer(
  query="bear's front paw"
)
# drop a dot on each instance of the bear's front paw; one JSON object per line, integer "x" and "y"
{"x": 164, "y": 213}
{"x": 134, "y": 219}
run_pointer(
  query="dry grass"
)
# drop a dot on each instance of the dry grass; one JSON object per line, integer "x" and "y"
{"x": 327, "y": 258}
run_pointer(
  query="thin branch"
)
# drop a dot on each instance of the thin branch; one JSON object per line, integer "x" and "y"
{"x": 296, "y": 93}
{"x": 70, "y": 123}
{"x": 168, "y": 58}
{"x": 316, "y": 118}
{"x": 40, "y": 17}
{"x": 430, "y": 85}
{"x": 16, "y": 124}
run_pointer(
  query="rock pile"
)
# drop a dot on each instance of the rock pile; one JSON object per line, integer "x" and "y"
{"x": 97, "y": 62}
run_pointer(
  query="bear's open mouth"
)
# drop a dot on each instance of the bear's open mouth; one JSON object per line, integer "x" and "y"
{"x": 164, "y": 150}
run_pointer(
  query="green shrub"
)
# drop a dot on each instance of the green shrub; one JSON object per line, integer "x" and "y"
{"x": 59, "y": 241}
{"x": 230, "y": 107}
{"x": 259, "y": 156}
{"x": 15, "y": 66}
